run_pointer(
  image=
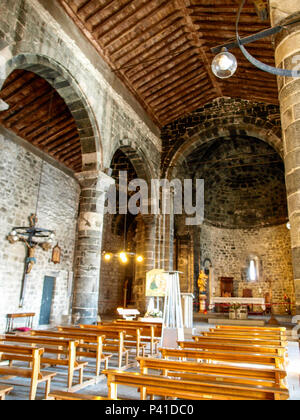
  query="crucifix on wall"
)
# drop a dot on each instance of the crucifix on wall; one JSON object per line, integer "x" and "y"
{"x": 32, "y": 237}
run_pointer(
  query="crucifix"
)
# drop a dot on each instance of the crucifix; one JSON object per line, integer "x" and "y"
{"x": 32, "y": 237}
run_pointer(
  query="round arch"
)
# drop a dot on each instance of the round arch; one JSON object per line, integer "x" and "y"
{"x": 252, "y": 127}
{"x": 137, "y": 157}
{"x": 66, "y": 86}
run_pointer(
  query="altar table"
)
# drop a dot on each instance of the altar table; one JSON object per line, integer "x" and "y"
{"x": 240, "y": 301}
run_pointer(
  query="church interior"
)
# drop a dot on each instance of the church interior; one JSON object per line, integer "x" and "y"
{"x": 150, "y": 199}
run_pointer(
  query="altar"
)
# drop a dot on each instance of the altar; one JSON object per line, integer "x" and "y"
{"x": 239, "y": 301}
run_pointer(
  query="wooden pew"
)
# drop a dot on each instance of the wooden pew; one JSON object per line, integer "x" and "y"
{"x": 58, "y": 347}
{"x": 113, "y": 341}
{"x": 220, "y": 338}
{"x": 217, "y": 372}
{"x": 29, "y": 355}
{"x": 225, "y": 356}
{"x": 278, "y": 330}
{"x": 233, "y": 347}
{"x": 132, "y": 337}
{"x": 252, "y": 332}
{"x": 68, "y": 396}
{"x": 93, "y": 350}
{"x": 190, "y": 390}
{"x": 152, "y": 332}
{"x": 4, "y": 390}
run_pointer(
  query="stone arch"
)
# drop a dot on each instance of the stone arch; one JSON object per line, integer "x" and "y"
{"x": 66, "y": 86}
{"x": 252, "y": 127}
{"x": 136, "y": 156}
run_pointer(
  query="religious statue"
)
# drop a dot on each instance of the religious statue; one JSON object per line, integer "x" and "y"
{"x": 202, "y": 283}
{"x": 30, "y": 260}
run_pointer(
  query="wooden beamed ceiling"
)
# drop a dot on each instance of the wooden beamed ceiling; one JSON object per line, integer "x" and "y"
{"x": 39, "y": 115}
{"x": 161, "y": 50}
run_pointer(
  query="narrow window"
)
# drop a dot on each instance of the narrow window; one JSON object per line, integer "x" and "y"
{"x": 253, "y": 273}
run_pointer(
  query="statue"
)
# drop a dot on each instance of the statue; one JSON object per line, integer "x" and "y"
{"x": 202, "y": 283}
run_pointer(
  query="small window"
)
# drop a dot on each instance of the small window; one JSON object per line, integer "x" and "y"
{"x": 253, "y": 269}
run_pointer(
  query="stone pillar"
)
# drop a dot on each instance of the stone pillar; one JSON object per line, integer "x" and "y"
{"x": 287, "y": 55}
{"x": 146, "y": 246}
{"x": 94, "y": 186}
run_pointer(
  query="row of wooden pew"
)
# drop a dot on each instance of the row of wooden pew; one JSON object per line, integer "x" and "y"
{"x": 242, "y": 364}
{"x": 66, "y": 347}
{"x": 212, "y": 366}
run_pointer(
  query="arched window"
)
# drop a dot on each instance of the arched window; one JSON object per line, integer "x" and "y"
{"x": 253, "y": 269}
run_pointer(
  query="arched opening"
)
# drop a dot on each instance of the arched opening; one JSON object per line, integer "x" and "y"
{"x": 46, "y": 136}
{"x": 122, "y": 234}
{"x": 245, "y": 214}
{"x": 67, "y": 88}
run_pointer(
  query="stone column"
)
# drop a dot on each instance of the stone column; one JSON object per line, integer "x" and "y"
{"x": 94, "y": 186}
{"x": 287, "y": 55}
{"x": 146, "y": 246}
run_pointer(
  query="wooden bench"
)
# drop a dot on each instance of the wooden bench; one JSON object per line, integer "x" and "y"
{"x": 12, "y": 317}
{"x": 152, "y": 333}
{"x": 190, "y": 390}
{"x": 68, "y": 396}
{"x": 4, "y": 390}
{"x": 113, "y": 341}
{"x": 61, "y": 348}
{"x": 251, "y": 332}
{"x": 29, "y": 355}
{"x": 206, "y": 344}
{"x": 83, "y": 349}
{"x": 132, "y": 337}
{"x": 279, "y": 330}
{"x": 217, "y": 372}
{"x": 225, "y": 356}
{"x": 247, "y": 334}
{"x": 242, "y": 340}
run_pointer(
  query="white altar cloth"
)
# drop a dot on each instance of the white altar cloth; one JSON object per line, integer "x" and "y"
{"x": 240, "y": 301}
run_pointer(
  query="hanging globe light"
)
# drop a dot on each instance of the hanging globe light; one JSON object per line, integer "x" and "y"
{"x": 224, "y": 65}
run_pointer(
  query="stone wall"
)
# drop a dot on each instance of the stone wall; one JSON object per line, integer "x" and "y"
{"x": 20, "y": 171}
{"x": 229, "y": 249}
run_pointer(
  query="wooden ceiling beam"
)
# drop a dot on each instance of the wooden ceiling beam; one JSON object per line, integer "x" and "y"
{"x": 184, "y": 110}
{"x": 149, "y": 68}
{"x": 125, "y": 10}
{"x": 39, "y": 106}
{"x": 154, "y": 31}
{"x": 59, "y": 125}
{"x": 161, "y": 101}
{"x": 182, "y": 5}
{"x": 90, "y": 13}
{"x": 157, "y": 13}
{"x": 191, "y": 93}
{"x": 49, "y": 141}
{"x": 62, "y": 143}
{"x": 171, "y": 40}
{"x": 69, "y": 142}
{"x": 176, "y": 83}
{"x": 165, "y": 75}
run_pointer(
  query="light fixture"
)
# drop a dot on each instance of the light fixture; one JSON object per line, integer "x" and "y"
{"x": 123, "y": 257}
{"x": 240, "y": 42}
{"x": 107, "y": 256}
{"x": 224, "y": 64}
{"x": 288, "y": 225}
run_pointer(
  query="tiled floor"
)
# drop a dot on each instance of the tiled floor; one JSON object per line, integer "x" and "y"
{"x": 293, "y": 371}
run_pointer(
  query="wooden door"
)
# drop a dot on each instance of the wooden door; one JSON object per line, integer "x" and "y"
{"x": 47, "y": 301}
